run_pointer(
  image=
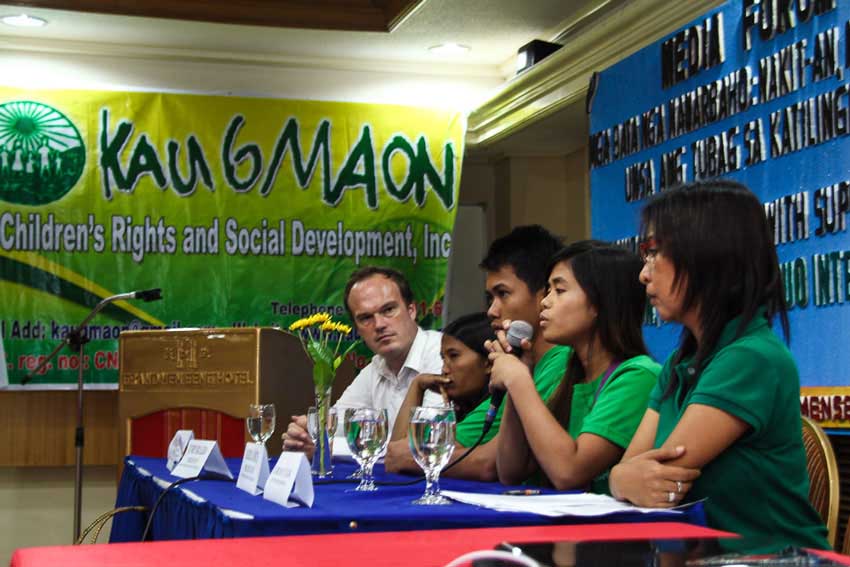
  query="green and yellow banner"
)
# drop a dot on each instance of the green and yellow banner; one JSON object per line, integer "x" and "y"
{"x": 245, "y": 211}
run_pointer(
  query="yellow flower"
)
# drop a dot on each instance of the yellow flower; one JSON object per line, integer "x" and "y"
{"x": 343, "y": 328}
{"x": 316, "y": 319}
{"x": 330, "y": 326}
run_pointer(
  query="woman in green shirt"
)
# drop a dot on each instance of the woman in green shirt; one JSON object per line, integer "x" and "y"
{"x": 595, "y": 305}
{"x": 464, "y": 384}
{"x": 724, "y": 419}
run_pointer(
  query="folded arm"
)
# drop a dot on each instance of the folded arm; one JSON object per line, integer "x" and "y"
{"x": 648, "y": 477}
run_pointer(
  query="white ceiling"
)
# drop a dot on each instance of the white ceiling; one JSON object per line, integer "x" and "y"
{"x": 494, "y": 29}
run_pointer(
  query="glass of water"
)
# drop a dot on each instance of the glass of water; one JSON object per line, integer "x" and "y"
{"x": 367, "y": 434}
{"x": 260, "y": 422}
{"x": 432, "y": 441}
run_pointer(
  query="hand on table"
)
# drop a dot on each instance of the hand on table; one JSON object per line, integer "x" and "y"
{"x": 399, "y": 459}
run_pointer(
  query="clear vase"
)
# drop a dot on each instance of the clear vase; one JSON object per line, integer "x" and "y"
{"x": 322, "y": 465}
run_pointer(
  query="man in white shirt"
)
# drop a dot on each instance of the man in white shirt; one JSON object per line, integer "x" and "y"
{"x": 381, "y": 306}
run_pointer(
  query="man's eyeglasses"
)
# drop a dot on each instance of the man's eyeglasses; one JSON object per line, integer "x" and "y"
{"x": 388, "y": 311}
{"x": 648, "y": 249}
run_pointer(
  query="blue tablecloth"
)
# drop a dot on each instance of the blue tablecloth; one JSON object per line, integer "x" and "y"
{"x": 215, "y": 508}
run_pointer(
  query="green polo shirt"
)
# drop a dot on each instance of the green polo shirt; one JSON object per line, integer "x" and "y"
{"x": 758, "y": 487}
{"x": 547, "y": 374}
{"x": 617, "y": 412}
{"x": 618, "y": 409}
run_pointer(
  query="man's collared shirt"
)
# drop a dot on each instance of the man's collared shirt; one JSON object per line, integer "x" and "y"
{"x": 376, "y": 386}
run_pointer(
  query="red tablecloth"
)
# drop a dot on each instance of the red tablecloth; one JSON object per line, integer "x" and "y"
{"x": 376, "y": 549}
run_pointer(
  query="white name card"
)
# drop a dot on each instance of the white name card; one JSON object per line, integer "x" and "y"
{"x": 202, "y": 456}
{"x": 255, "y": 469}
{"x": 290, "y": 479}
{"x": 178, "y": 446}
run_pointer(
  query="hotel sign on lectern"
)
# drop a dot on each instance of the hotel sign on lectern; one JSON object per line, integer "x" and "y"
{"x": 223, "y": 369}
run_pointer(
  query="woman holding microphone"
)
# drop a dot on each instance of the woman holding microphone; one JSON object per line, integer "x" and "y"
{"x": 595, "y": 305}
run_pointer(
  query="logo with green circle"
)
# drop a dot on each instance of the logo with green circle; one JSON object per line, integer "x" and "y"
{"x": 42, "y": 154}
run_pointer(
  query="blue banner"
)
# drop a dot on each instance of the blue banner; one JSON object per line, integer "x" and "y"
{"x": 753, "y": 92}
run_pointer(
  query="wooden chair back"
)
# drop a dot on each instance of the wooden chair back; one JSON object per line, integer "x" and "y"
{"x": 823, "y": 476}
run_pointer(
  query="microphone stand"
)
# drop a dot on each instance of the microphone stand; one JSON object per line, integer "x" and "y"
{"x": 76, "y": 339}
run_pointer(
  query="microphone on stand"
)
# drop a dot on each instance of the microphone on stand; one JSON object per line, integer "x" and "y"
{"x": 75, "y": 337}
{"x": 144, "y": 295}
{"x": 517, "y": 332}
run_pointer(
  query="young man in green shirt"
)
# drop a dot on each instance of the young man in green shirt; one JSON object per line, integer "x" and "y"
{"x": 517, "y": 267}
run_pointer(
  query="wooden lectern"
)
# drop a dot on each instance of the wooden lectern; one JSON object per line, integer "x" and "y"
{"x": 204, "y": 380}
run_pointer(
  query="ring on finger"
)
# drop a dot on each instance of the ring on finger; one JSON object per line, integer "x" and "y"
{"x": 671, "y": 496}
{"x": 679, "y": 486}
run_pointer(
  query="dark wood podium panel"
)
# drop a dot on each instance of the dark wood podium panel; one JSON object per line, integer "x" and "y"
{"x": 240, "y": 366}
{"x": 37, "y": 427}
{"x": 214, "y": 370}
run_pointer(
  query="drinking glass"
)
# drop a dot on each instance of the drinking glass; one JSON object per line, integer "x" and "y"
{"x": 432, "y": 441}
{"x": 367, "y": 433}
{"x": 332, "y": 423}
{"x": 260, "y": 422}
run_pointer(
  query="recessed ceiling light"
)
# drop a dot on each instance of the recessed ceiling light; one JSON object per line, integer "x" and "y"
{"x": 449, "y": 49}
{"x": 24, "y": 21}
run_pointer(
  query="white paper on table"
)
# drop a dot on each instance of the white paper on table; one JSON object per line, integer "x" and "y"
{"x": 290, "y": 479}
{"x": 178, "y": 446}
{"x": 553, "y": 505}
{"x": 254, "y": 470}
{"x": 202, "y": 456}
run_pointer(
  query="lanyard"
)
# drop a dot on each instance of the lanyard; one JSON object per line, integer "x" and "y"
{"x": 611, "y": 368}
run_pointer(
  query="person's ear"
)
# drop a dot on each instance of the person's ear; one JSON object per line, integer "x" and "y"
{"x": 411, "y": 310}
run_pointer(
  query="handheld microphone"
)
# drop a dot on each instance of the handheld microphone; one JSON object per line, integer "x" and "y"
{"x": 517, "y": 332}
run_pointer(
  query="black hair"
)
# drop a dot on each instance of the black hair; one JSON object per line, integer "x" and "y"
{"x": 718, "y": 239}
{"x": 527, "y": 250}
{"x": 369, "y": 271}
{"x": 609, "y": 277}
{"x": 472, "y": 330}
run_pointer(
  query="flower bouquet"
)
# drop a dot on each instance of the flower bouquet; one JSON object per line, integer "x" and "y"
{"x": 322, "y": 337}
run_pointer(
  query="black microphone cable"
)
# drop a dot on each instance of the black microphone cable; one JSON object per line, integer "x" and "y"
{"x": 159, "y": 500}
